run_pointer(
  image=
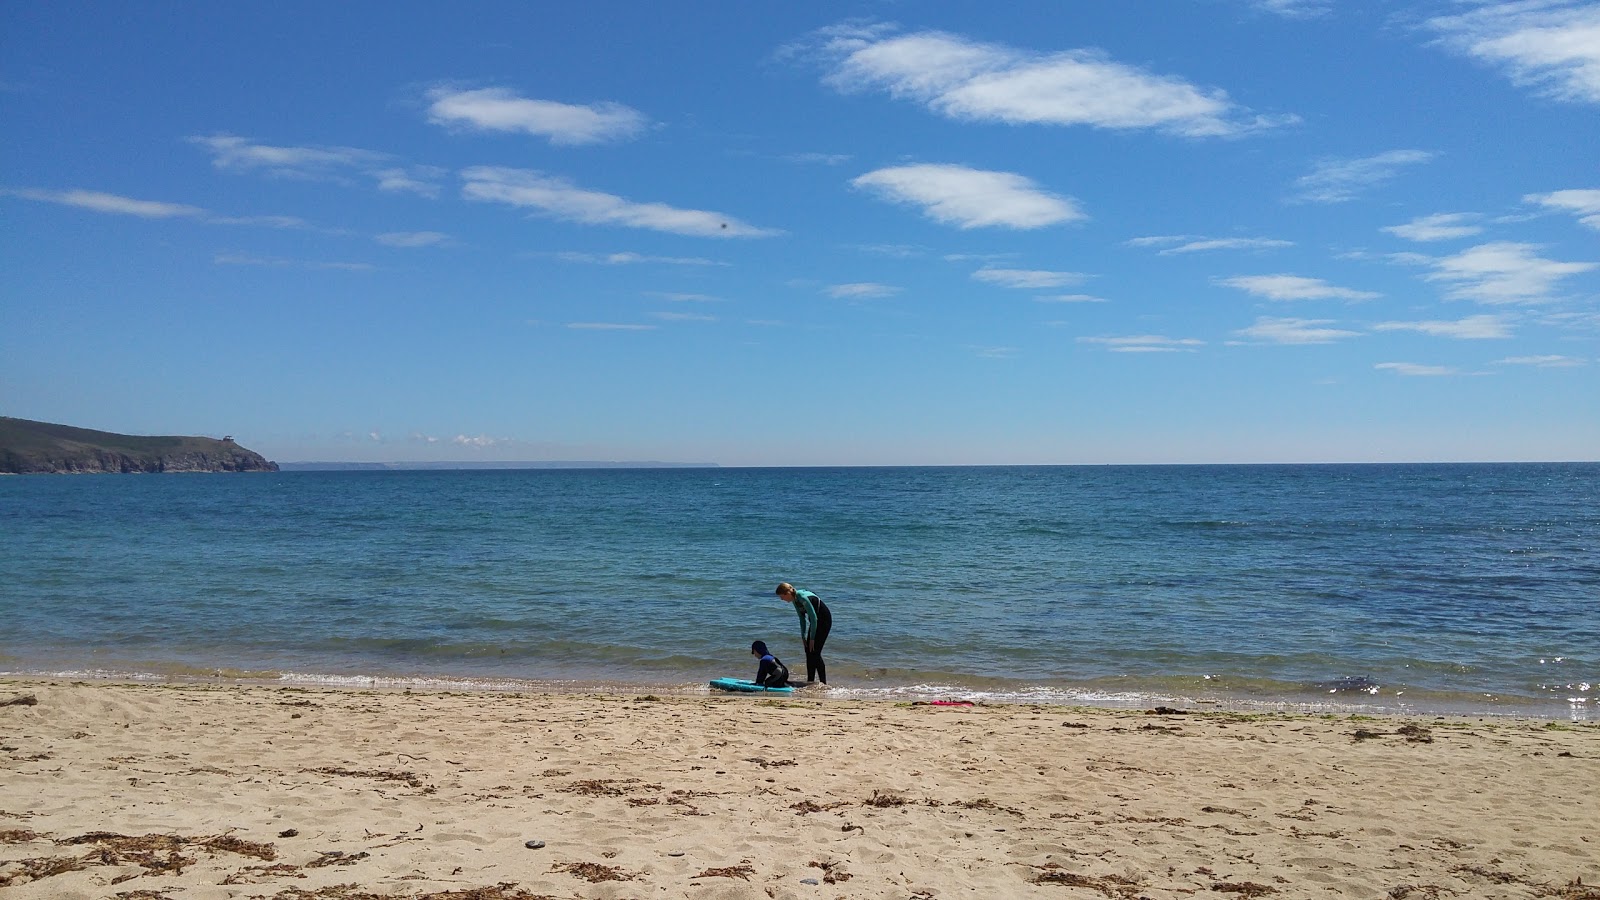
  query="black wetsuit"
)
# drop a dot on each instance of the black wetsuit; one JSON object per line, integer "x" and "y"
{"x": 773, "y": 673}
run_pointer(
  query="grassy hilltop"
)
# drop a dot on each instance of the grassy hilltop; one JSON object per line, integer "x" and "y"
{"x": 28, "y": 447}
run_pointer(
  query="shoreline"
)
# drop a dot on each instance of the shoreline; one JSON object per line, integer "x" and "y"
{"x": 204, "y": 792}
{"x": 1357, "y": 700}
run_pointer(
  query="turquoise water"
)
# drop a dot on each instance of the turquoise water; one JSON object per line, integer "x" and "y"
{"x": 1424, "y": 588}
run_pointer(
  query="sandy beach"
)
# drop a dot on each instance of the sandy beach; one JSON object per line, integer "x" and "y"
{"x": 200, "y": 792}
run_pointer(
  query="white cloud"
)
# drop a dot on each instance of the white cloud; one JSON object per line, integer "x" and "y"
{"x": 864, "y": 290}
{"x": 233, "y": 152}
{"x": 968, "y": 80}
{"x": 685, "y": 298}
{"x": 246, "y": 259}
{"x": 1294, "y": 287}
{"x": 626, "y": 258}
{"x": 499, "y": 109}
{"x": 413, "y": 238}
{"x": 1145, "y": 343}
{"x": 481, "y": 440}
{"x": 1070, "y": 298}
{"x": 1584, "y": 204}
{"x": 261, "y": 221}
{"x": 609, "y": 326}
{"x": 1339, "y": 180}
{"x": 683, "y": 317}
{"x": 1415, "y": 369}
{"x": 971, "y": 198}
{"x": 1204, "y": 244}
{"x": 420, "y": 180}
{"x": 1437, "y": 227}
{"x": 995, "y": 352}
{"x": 1503, "y": 272}
{"x": 1552, "y": 46}
{"x": 112, "y": 203}
{"x": 1471, "y": 328}
{"x": 560, "y": 199}
{"x": 1294, "y": 9}
{"x": 826, "y": 159}
{"x": 1551, "y": 361}
{"x": 1295, "y": 331}
{"x": 1026, "y": 279}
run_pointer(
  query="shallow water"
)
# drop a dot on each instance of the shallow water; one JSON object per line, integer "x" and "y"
{"x": 1425, "y": 588}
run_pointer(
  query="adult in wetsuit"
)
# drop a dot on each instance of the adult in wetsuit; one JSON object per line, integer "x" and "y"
{"x": 815, "y": 623}
{"x": 772, "y": 672}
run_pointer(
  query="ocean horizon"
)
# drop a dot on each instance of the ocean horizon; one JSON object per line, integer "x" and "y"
{"x": 1357, "y": 587}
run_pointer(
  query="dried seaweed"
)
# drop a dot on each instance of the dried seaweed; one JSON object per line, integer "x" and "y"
{"x": 1244, "y": 888}
{"x": 832, "y": 871}
{"x": 336, "y": 858}
{"x": 1109, "y": 885}
{"x": 885, "y": 800}
{"x": 593, "y": 872}
{"x": 17, "y": 836}
{"x": 607, "y": 787}
{"x": 740, "y": 871}
{"x": 43, "y": 867}
{"x": 411, "y": 779}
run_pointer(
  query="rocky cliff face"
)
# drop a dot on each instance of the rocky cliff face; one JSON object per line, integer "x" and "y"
{"x": 28, "y": 447}
{"x": 89, "y": 462}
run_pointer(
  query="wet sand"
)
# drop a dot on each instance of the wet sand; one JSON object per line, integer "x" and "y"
{"x": 200, "y": 792}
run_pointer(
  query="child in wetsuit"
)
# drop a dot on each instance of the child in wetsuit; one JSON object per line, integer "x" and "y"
{"x": 772, "y": 673}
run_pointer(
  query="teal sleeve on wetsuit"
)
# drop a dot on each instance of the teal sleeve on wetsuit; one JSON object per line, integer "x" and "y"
{"x": 806, "y": 608}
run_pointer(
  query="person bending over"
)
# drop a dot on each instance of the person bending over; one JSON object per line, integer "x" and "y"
{"x": 815, "y": 623}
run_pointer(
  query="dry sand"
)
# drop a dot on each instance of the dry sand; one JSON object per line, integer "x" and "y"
{"x": 193, "y": 793}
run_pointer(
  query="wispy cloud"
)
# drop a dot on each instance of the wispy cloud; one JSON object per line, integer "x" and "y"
{"x": 969, "y": 80}
{"x": 1145, "y": 343}
{"x": 1437, "y": 227}
{"x": 971, "y": 198}
{"x": 627, "y": 258}
{"x": 420, "y": 180}
{"x": 1503, "y": 272}
{"x": 1182, "y": 243}
{"x": 1294, "y": 287}
{"x": 862, "y": 290}
{"x": 1295, "y": 331}
{"x": 1341, "y": 180}
{"x": 230, "y": 151}
{"x": 1416, "y": 369}
{"x": 1550, "y": 361}
{"x": 1585, "y": 204}
{"x": 609, "y": 326}
{"x": 500, "y": 109}
{"x": 98, "y": 201}
{"x": 1070, "y": 298}
{"x": 1294, "y": 9}
{"x": 413, "y": 238}
{"x": 115, "y": 204}
{"x": 560, "y": 199}
{"x": 1026, "y": 279}
{"x": 825, "y": 159}
{"x": 677, "y": 297}
{"x": 683, "y": 317}
{"x": 984, "y": 352}
{"x": 1471, "y": 328}
{"x": 1551, "y": 46}
{"x": 247, "y": 259}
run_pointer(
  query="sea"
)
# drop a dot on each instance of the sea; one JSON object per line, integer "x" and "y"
{"x": 1333, "y": 589}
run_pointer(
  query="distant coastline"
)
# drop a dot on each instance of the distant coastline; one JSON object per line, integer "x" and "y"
{"x": 45, "y": 448}
{"x": 447, "y": 466}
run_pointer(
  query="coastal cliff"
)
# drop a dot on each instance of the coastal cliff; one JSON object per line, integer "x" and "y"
{"x": 28, "y": 448}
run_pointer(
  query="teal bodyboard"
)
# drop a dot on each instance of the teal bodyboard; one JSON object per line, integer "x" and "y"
{"x": 749, "y": 687}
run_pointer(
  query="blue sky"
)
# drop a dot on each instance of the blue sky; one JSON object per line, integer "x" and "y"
{"x": 808, "y": 234}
